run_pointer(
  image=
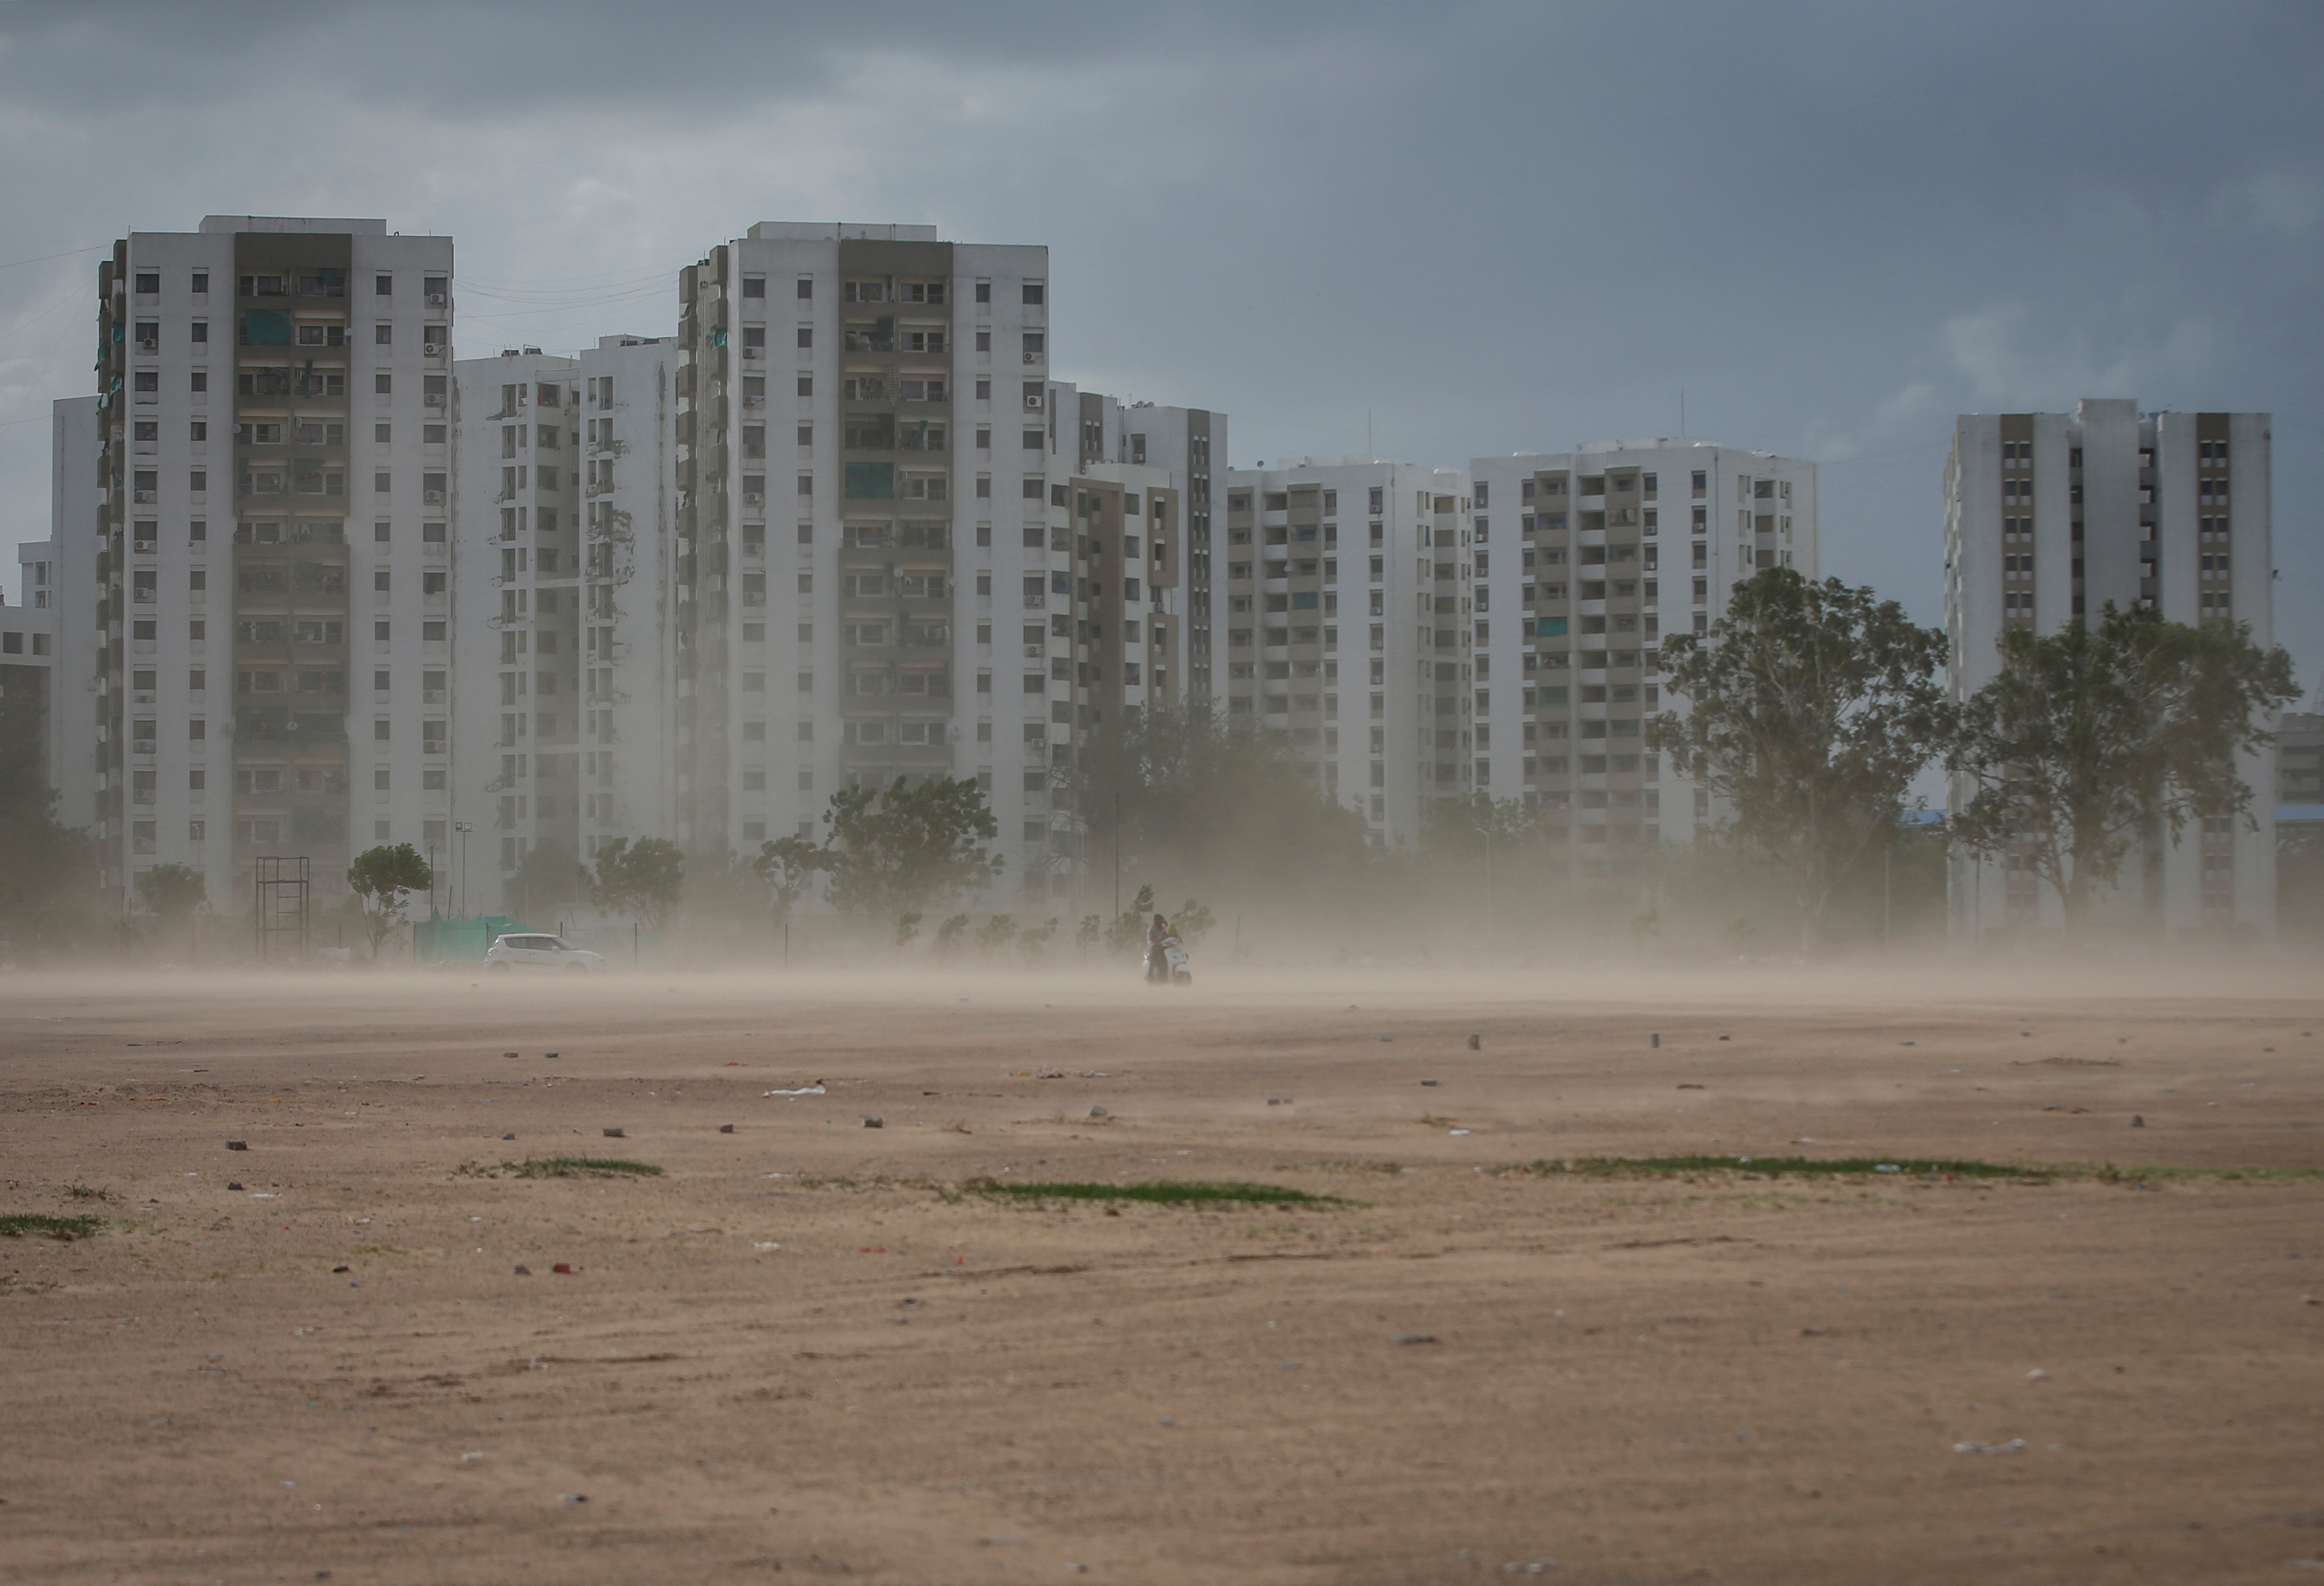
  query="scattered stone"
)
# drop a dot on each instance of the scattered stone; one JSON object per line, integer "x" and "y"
{"x": 1722, "y": 1037}
{"x": 1414, "y": 1337}
{"x": 1097, "y": 1113}
{"x": 1654, "y": 1041}
{"x": 570, "y": 1499}
{"x": 615, "y": 1134}
{"x": 2014, "y": 1445}
{"x": 550, "y": 1055}
{"x": 1908, "y": 1043}
{"x": 2037, "y": 1375}
{"x": 1691, "y": 1087}
{"x": 524, "y": 1271}
{"x": 234, "y": 1184}
{"x": 1476, "y": 1043}
{"x": 725, "y": 1128}
{"x": 508, "y": 1054}
{"x": 2138, "y": 1120}
{"x": 873, "y": 1121}
{"x": 1428, "y": 1081}
{"x": 342, "y": 1268}
{"x": 237, "y": 1145}
{"x": 508, "y": 1137}
{"x": 564, "y": 1266}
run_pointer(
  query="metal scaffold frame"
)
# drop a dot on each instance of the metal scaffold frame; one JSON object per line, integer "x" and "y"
{"x": 283, "y": 906}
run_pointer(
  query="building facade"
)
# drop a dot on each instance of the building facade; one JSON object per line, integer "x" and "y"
{"x": 1585, "y": 562}
{"x": 889, "y": 557}
{"x": 28, "y": 659}
{"x": 269, "y": 547}
{"x": 1346, "y": 628}
{"x": 2052, "y": 517}
{"x": 563, "y": 651}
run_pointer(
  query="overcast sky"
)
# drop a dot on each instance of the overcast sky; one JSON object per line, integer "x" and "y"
{"x": 1478, "y": 227}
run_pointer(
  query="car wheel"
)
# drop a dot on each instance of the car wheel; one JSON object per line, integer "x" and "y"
{"x": 576, "y": 969}
{"x": 496, "y": 967}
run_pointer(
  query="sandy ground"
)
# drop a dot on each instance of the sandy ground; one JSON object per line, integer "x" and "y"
{"x": 317, "y": 1360}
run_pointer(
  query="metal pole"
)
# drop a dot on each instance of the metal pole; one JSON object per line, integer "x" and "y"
{"x": 1117, "y": 856}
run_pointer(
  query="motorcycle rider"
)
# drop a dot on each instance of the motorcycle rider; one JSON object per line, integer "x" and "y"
{"x": 1157, "y": 966}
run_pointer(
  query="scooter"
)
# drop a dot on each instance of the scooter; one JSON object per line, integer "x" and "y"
{"x": 1168, "y": 964}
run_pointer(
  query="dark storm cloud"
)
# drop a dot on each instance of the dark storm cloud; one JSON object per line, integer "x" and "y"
{"x": 1479, "y": 226}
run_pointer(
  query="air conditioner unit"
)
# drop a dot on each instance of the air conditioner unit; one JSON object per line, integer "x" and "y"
{"x": 438, "y": 300}
{"x": 434, "y": 399}
{"x": 751, "y": 498}
{"x": 149, "y": 346}
{"x": 434, "y": 349}
{"x": 1032, "y": 358}
{"x": 755, "y": 352}
{"x": 1032, "y": 399}
{"x": 432, "y": 497}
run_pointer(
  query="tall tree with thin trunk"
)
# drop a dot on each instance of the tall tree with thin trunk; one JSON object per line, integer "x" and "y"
{"x": 2096, "y": 740}
{"x": 1811, "y": 709}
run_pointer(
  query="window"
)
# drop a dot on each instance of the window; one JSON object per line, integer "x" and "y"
{"x": 754, "y": 286}
{"x": 807, "y": 336}
{"x": 1035, "y": 347}
{"x": 1035, "y": 292}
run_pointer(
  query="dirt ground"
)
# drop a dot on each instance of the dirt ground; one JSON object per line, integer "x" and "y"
{"x": 805, "y": 1351}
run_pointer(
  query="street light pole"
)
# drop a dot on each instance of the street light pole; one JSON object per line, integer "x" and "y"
{"x": 460, "y": 890}
{"x": 1117, "y": 856}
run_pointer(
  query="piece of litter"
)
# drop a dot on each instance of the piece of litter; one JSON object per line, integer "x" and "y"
{"x": 508, "y": 1054}
{"x": 566, "y": 1267}
{"x": 1428, "y": 1081}
{"x": 508, "y": 1137}
{"x": 1097, "y": 1113}
{"x": 1887, "y": 1167}
{"x": 725, "y": 1128}
{"x": 805, "y": 1091}
{"x": 1456, "y": 1132}
{"x": 264, "y": 1195}
{"x": 466, "y": 1457}
{"x": 769, "y": 1245}
{"x": 237, "y": 1145}
{"x": 873, "y": 1121}
{"x": 2037, "y": 1375}
{"x": 1414, "y": 1337}
{"x": 1477, "y": 1042}
{"x": 570, "y": 1499}
{"x": 550, "y": 1055}
{"x": 2014, "y": 1445}
{"x": 1654, "y": 1042}
{"x": 615, "y": 1134}
{"x": 524, "y": 1272}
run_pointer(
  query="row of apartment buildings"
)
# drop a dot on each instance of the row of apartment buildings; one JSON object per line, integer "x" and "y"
{"x": 316, "y": 583}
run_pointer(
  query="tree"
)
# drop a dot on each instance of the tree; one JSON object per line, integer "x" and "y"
{"x": 789, "y": 865}
{"x": 1226, "y": 813}
{"x": 548, "y": 880}
{"x": 171, "y": 892}
{"x": 950, "y": 935}
{"x": 48, "y": 872}
{"x": 384, "y": 878}
{"x": 1811, "y": 708}
{"x": 2095, "y": 741}
{"x": 894, "y": 850}
{"x": 646, "y": 879}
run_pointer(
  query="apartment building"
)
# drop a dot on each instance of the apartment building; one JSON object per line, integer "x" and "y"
{"x": 1348, "y": 605}
{"x": 564, "y": 653}
{"x": 271, "y": 545}
{"x": 28, "y": 649}
{"x": 1183, "y": 441}
{"x": 1584, "y": 562}
{"x": 2052, "y": 517}
{"x": 889, "y": 558}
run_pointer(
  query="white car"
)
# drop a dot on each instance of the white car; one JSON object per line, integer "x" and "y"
{"x": 539, "y": 952}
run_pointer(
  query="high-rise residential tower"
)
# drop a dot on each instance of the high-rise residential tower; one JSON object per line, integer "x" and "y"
{"x": 1585, "y": 561}
{"x": 1346, "y": 628}
{"x": 564, "y": 657}
{"x": 883, "y": 563}
{"x": 270, "y": 547}
{"x": 2050, "y": 518}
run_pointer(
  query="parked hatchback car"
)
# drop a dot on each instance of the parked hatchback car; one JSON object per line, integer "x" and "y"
{"x": 535, "y": 950}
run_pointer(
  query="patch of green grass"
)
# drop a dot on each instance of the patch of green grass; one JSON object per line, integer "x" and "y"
{"x": 1785, "y": 1168}
{"x": 17, "y": 1224}
{"x": 1165, "y": 1191}
{"x": 582, "y": 1167}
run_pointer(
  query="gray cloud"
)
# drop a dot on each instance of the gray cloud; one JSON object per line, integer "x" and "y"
{"x": 1488, "y": 226}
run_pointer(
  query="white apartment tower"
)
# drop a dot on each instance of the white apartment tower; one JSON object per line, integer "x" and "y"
{"x": 1184, "y": 442}
{"x": 2052, "y": 517}
{"x": 884, "y": 564}
{"x": 271, "y": 547}
{"x": 1584, "y": 561}
{"x": 1346, "y": 628}
{"x": 564, "y": 660}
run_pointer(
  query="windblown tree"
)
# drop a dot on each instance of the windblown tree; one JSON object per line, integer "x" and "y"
{"x": 1811, "y": 707}
{"x": 384, "y": 878}
{"x": 1223, "y": 814}
{"x": 170, "y": 893}
{"x": 788, "y": 865}
{"x": 906, "y": 848}
{"x": 47, "y": 872}
{"x": 2096, "y": 740}
{"x": 645, "y": 880}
